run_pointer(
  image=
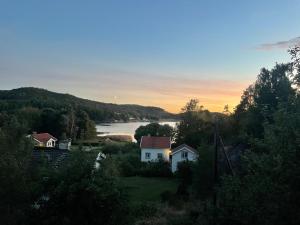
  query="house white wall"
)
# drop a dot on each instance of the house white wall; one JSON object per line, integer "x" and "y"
{"x": 51, "y": 143}
{"x": 177, "y": 157}
{"x": 154, "y": 153}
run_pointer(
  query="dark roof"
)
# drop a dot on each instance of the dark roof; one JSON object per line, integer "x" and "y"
{"x": 54, "y": 157}
{"x": 43, "y": 137}
{"x": 155, "y": 142}
{"x": 184, "y": 146}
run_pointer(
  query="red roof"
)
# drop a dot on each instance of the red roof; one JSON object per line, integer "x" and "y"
{"x": 43, "y": 137}
{"x": 155, "y": 142}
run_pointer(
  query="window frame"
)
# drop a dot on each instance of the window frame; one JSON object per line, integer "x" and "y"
{"x": 160, "y": 155}
{"x": 184, "y": 155}
{"x": 147, "y": 155}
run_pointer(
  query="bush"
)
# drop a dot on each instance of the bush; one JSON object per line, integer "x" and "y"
{"x": 185, "y": 172}
{"x": 203, "y": 182}
{"x": 115, "y": 148}
{"x": 129, "y": 165}
{"x": 78, "y": 194}
{"x": 111, "y": 148}
{"x": 156, "y": 169}
{"x": 165, "y": 196}
{"x": 143, "y": 210}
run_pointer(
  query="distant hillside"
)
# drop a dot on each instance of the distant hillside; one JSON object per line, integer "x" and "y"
{"x": 11, "y": 100}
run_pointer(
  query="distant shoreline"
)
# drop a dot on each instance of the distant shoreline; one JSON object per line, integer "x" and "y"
{"x": 108, "y": 123}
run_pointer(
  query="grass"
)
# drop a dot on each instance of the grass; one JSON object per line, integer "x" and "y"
{"x": 144, "y": 189}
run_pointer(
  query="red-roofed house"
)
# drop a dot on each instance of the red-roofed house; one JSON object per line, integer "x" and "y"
{"x": 155, "y": 148}
{"x": 44, "y": 140}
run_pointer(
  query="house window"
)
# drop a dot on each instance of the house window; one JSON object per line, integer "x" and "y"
{"x": 184, "y": 155}
{"x": 147, "y": 155}
{"x": 159, "y": 155}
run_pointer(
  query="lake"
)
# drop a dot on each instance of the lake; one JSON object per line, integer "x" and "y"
{"x": 124, "y": 128}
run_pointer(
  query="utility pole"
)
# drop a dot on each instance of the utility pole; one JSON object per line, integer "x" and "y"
{"x": 216, "y": 147}
{"x": 226, "y": 156}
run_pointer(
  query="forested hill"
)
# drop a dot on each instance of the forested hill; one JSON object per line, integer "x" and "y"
{"x": 16, "y": 99}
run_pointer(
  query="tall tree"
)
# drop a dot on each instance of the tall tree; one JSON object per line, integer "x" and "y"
{"x": 195, "y": 126}
{"x": 155, "y": 130}
{"x": 15, "y": 186}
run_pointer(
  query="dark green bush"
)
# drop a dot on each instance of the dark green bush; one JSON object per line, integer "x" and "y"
{"x": 156, "y": 169}
{"x": 143, "y": 210}
{"x": 184, "y": 172}
{"x": 165, "y": 196}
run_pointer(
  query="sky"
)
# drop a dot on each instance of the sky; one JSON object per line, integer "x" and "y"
{"x": 149, "y": 52}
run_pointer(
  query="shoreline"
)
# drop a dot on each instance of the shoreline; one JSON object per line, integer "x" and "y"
{"x": 108, "y": 123}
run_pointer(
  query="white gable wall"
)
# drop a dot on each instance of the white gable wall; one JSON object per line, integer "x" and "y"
{"x": 177, "y": 157}
{"x": 153, "y": 154}
{"x": 50, "y": 143}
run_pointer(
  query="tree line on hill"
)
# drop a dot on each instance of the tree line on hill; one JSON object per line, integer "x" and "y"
{"x": 66, "y": 116}
{"x": 16, "y": 99}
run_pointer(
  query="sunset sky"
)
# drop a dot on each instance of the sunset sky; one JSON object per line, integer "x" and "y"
{"x": 148, "y": 52}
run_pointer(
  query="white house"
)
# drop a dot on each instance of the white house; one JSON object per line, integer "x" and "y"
{"x": 155, "y": 148}
{"x": 44, "y": 140}
{"x": 182, "y": 153}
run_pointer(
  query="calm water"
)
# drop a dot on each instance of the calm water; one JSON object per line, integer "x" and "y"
{"x": 124, "y": 128}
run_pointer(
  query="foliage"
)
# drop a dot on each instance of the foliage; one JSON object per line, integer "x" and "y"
{"x": 184, "y": 172}
{"x": 17, "y": 99}
{"x": 130, "y": 165}
{"x": 203, "y": 183}
{"x": 143, "y": 210}
{"x": 74, "y": 193}
{"x": 267, "y": 190}
{"x": 261, "y": 100}
{"x": 120, "y": 148}
{"x": 196, "y": 125}
{"x": 147, "y": 189}
{"x": 295, "y": 54}
{"x": 155, "y": 169}
{"x": 15, "y": 185}
{"x": 154, "y": 130}
{"x": 79, "y": 194}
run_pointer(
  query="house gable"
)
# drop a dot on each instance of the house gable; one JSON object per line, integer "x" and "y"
{"x": 184, "y": 147}
{"x": 182, "y": 153}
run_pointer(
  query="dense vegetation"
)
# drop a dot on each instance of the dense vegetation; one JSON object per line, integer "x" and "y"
{"x": 39, "y": 99}
{"x": 66, "y": 116}
{"x": 75, "y": 193}
{"x": 264, "y": 188}
{"x": 154, "y": 130}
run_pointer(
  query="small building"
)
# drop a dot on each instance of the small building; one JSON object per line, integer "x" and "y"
{"x": 155, "y": 148}
{"x": 64, "y": 144}
{"x": 44, "y": 140}
{"x": 182, "y": 153}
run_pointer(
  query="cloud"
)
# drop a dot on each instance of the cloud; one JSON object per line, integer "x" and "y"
{"x": 279, "y": 44}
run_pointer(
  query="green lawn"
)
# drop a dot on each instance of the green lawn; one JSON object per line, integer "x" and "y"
{"x": 144, "y": 189}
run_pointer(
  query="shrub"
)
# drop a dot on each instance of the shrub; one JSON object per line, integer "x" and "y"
{"x": 165, "y": 196}
{"x": 184, "y": 172}
{"x": 115, "y": 148}
{"x": 143, "y": 210}
{"x": 156, "y": 169}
